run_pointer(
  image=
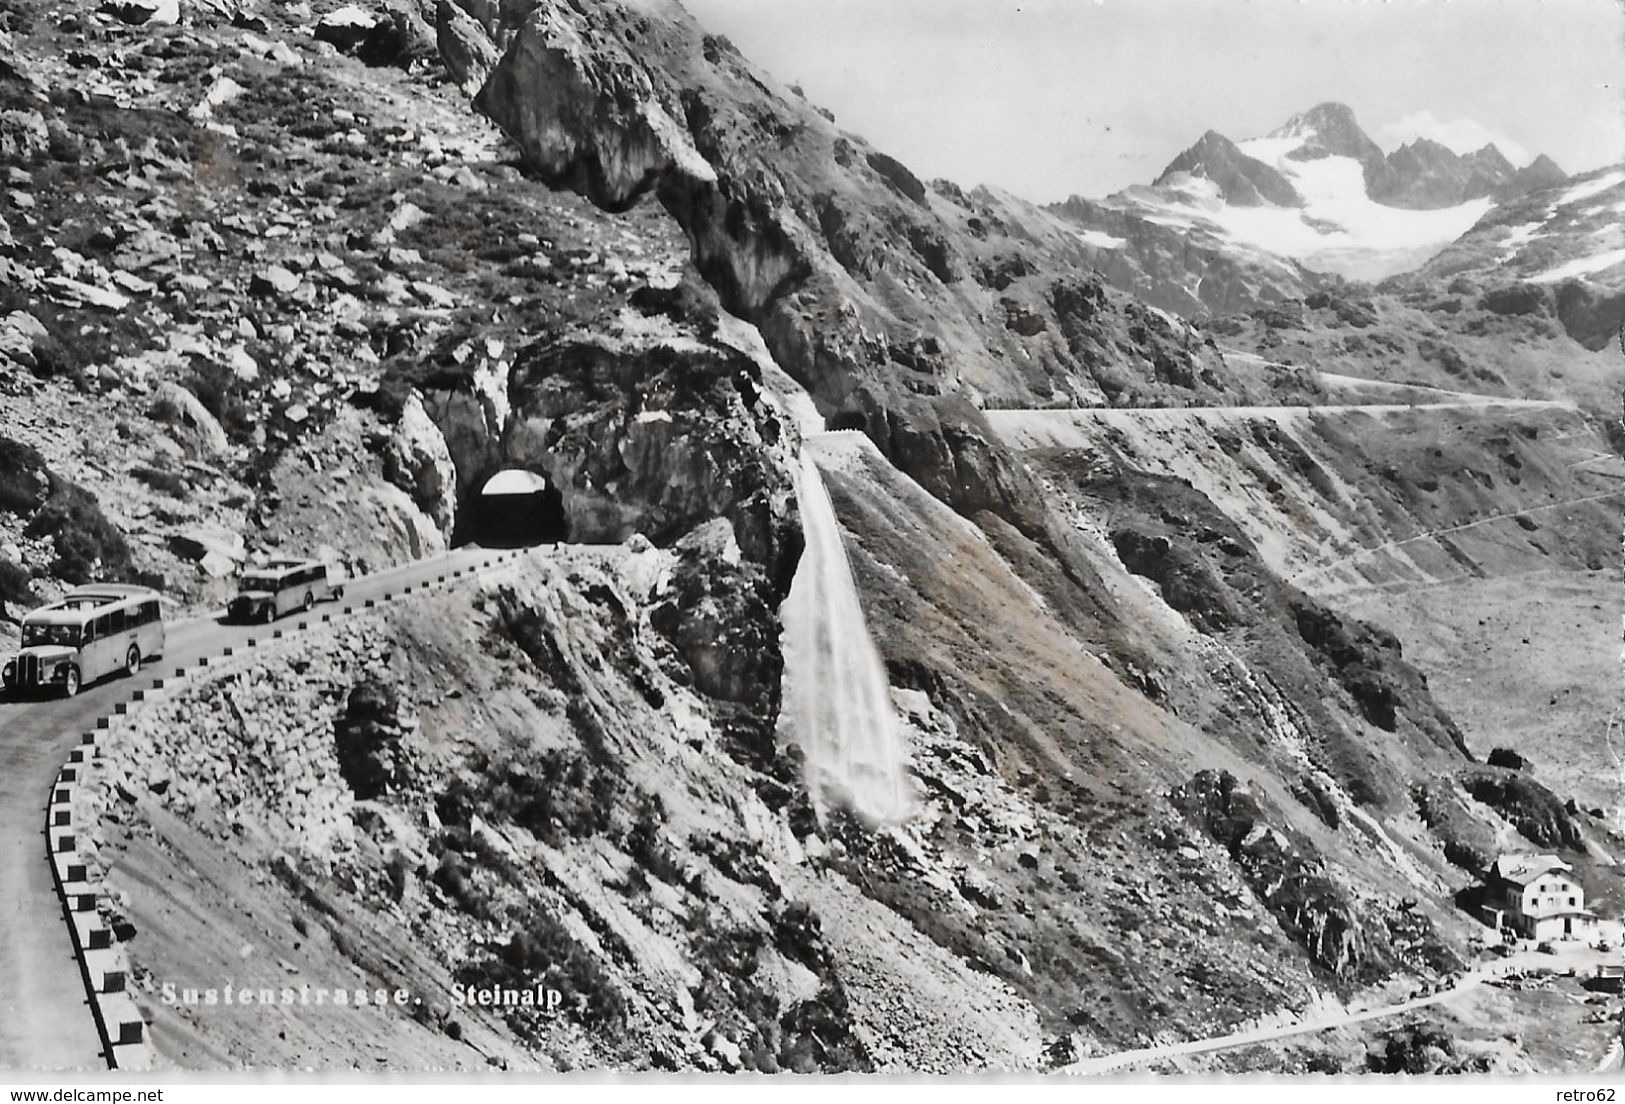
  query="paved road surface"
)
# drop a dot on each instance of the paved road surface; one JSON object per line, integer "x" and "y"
{"x": 45, "y": 1019}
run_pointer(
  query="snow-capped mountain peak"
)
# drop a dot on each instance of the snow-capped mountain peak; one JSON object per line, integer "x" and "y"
{"x": 1320, "y": 191}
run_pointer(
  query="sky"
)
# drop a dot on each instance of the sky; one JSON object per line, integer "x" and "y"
{"x": 1051, "y": 98}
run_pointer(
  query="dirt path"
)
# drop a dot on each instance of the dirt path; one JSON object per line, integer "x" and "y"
{"x": 1388, "y": 546}
{"x": 1059, "y": 428}
{"x": 1467, "y": 982}
{"x": 1346, "y": 382}
{"x": 45, "y": 1019}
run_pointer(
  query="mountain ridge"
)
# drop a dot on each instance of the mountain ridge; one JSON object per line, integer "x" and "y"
{"x": 1313, "y": 201}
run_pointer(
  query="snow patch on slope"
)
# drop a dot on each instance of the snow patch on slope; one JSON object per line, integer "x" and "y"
{"x": 1581, "y": 266}
{"x": 1099, "y": 239}
{"x": 1590, "y": 188}
{"x": 1338, "y": 229}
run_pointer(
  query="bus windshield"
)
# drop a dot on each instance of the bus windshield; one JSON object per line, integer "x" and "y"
{"x": 35, "y": 635}
{"x": 258, "y": 582}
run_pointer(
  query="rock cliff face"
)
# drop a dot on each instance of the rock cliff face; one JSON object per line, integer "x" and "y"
{"x": 1189, "y": 270}
{"x": 1162, "y": 790}
{"x": 1423, "y": 174}
{"x": 880, "y": 295}
{"x": 657, "y": 440}
{"x": 1560, "y": 245}
{"x": 1242, "y": 180}
{"x": 523, "y": 786}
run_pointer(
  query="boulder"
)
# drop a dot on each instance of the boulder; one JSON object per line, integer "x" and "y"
{"x": 468, "y": 52}
{"x": 346, "y": 28}
{"x": 221, "y": 92}
{"x": 199, "y": 432}
{"x": 21, "y": 334}
{"x": 74, "y": 293}
{"x": 273, "y": 281}
{"x": 141, "y": 12}
{"x": 399, "y": 37}
{"x": 202, "y": 542}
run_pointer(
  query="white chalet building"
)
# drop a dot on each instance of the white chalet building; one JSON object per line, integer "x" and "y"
{"x": 1536, "y": 896}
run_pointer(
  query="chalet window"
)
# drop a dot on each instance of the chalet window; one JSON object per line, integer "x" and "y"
{"x": 1571, "y": 900}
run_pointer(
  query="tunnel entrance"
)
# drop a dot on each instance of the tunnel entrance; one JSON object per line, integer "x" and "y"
{"x": 515, "y": 509}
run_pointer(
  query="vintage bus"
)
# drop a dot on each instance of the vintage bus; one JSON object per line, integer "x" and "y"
{"x": 270, "y": 590}
{"x": 93, "y": 632}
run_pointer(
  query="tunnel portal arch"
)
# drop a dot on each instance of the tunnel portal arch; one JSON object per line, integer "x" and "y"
{"x": 514, "y": 508}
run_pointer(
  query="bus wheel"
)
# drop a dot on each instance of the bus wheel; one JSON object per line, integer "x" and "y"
{"x": 269, "y": 613}
{"x": 71, "y": 686}
{"x": 310, "y": 600}
{"x": 132, "y": 661}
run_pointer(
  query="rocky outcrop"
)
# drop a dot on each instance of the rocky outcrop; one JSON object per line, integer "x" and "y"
{"x": 720, "y": 613}
{"x": 840, "y": 255}
{"x": 367, "y": 740}
{"x": 1469, "y": 840}
{"x": 1418, "y": 1048}
{"x": 401, "y": 37}
{"x": 585, "y": 117}
{"x": 346, "y": 28}
{"x": 418, "y": 461}
{"x": 464, "y": 46}
{"x": 1243, "y": 181}
{"x": 656, "y": 440}
{"x": 1540, "y": 173}
{"x": 1427, "y": 175}
{"x": 1320, "y": 913}
{"x": 1591, "y": 316}
{"x": 1537, "y": 813}
{"x": 86, "y": 546}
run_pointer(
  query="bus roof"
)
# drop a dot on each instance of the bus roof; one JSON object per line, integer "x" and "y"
{"x": 62, "y": 613}
{"x": 108, "y": 592}
{"x": 280, "y": 566}
{"x": 83, "y": 603}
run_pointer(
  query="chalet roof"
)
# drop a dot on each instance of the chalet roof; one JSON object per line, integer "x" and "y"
{"x": 1523, "y": 869}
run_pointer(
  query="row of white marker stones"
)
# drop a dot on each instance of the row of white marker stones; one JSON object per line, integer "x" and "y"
{"x": 103, "y": 963}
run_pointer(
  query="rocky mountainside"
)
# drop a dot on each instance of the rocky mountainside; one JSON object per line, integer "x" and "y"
{"x": 1564, "y": 243}
{"x": 1272, "y": 217}
{"x": 1162, "y": 788}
